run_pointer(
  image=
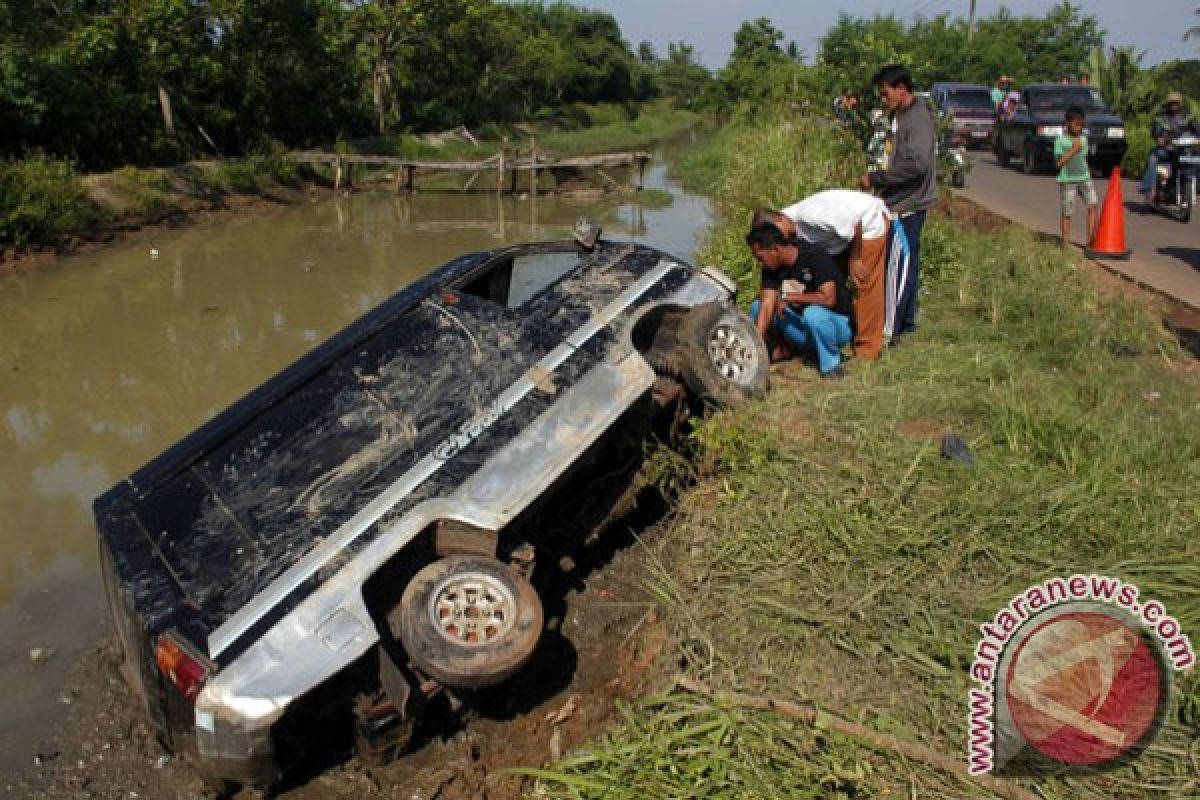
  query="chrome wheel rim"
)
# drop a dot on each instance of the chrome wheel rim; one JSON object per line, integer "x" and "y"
{"x": 472, "y": 609}
{"x": 732, "y": 353}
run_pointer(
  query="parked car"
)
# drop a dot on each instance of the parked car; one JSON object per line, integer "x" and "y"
{"x": 1038, "y": 120}
{"x": 361, "y": 510}
{"x": 970, "y": 107}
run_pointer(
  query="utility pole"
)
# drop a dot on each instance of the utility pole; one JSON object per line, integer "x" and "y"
{"x": 971, "y": 22}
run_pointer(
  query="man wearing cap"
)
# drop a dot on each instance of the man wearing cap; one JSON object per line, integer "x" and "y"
{"x": 1172, "y": 122}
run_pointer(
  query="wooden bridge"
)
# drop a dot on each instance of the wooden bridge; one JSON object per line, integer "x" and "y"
{"x": 506, "y": 165}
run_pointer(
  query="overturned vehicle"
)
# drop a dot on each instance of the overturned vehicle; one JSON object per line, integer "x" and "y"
{"x": 361, "y": 507}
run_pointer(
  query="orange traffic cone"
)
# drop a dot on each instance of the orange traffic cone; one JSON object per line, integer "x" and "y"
{"x": 1109, "y": 241}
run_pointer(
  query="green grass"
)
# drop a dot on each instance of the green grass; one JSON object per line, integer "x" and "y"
{"x": 144, "y": 192}
{"x": 827, "y": 553}
{"x": 42, "y": 200}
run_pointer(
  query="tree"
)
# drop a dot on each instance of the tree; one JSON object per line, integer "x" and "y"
{"x": 1120, "y": 78}
{"x": 756, "y": 56}
{"x": 681, "y": 77}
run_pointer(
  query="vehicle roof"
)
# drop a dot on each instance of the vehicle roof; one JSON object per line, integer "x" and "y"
{"x": 956, "y": 85}
{"x": 1059, "y": 86}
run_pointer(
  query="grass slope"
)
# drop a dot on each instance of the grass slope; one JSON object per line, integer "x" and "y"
{"x": 827, "y": 554}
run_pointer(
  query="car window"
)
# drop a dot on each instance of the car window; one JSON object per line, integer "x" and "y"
{"x": 968, "y": 98}
{"x": 1063, "y": 97}
{"x": 512, "y": 282}
{"x": 535, "y": 272}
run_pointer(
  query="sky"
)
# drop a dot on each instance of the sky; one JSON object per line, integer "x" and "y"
{"x": 1155, "y": 26}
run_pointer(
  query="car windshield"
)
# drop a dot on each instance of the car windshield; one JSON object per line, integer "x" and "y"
{"x": 1063, "y": 97}
{"x": 969, "y": 98}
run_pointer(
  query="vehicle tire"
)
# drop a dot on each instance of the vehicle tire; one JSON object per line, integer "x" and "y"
{"x": 724, "y": 360}
{"x": 1028, "y": 160}
{"x": 1002, "y": 155}
{"x": 468, "y": 621}
{"x": 958, "y": 179}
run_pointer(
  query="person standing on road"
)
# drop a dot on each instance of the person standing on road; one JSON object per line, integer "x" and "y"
{"x": 1074, "y": 178}
{"x": 803, "y": 304}
{"x": 909, "y": 184}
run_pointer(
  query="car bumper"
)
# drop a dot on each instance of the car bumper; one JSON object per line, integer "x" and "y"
{"x": 977, "y": 135}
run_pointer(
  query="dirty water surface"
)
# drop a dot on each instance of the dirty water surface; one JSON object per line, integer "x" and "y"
{"x": 109, "y": 358}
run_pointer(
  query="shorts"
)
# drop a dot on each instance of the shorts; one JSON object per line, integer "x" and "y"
{"x": 1084, "y": 189}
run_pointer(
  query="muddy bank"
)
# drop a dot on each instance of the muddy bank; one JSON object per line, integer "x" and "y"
{"x": 142, "y": 204}
{"x": 602, "y": 644}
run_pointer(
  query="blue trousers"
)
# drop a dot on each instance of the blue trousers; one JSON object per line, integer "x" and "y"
{"x": 906, "y": 304}
{"x": 813, "y": 329}
{"x": 1149, "y": 177}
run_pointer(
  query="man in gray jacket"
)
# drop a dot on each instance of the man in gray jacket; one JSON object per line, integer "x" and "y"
{"x": 909, "y": 184}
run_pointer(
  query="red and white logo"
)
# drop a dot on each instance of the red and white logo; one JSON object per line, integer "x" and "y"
{"x": 1085, "y": 687}
{"x": 1074, "y": 674}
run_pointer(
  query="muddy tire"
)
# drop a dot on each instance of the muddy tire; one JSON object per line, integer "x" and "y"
{"x": 468, "y": 621}
{"x": 723, "y": 359}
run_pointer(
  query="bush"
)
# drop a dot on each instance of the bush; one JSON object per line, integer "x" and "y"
{"x": 771, "y": 163}
{"x": 146, "y": 191}
{"x": 41, "y": 198}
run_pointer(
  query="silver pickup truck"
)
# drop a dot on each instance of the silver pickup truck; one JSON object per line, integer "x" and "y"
{"x": 355, "y": 513}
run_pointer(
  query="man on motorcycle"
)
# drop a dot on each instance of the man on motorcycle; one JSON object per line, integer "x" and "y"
{"x": 1172, "y": 122}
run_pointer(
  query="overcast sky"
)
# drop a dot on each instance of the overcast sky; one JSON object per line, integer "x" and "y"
{"x": 1155, "y": 26}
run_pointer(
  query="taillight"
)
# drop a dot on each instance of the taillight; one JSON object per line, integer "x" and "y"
{"x": 182, "y": 665}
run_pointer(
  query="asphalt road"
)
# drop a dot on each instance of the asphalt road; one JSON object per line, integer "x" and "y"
{"x": 1166, "y": 254}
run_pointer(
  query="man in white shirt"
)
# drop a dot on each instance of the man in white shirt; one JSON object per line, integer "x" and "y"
{"x": 853, "y": 227}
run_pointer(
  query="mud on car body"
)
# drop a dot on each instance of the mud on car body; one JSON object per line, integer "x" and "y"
{"x": 354, "y": 513}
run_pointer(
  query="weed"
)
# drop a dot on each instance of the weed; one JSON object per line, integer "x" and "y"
{"x": 41, "y": 198}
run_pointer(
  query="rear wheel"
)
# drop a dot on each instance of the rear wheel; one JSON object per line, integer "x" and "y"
{"x": 1028, "y": 160}
{"x": 468, "y": 621}
{"x": 725, "y": 361}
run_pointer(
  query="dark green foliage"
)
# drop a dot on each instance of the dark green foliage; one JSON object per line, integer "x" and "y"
{"x": 42, "y": 198}
{"x": 149, "y": 82}
{"x": 1027, "y": 48}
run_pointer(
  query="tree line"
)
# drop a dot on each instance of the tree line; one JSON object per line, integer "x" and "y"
{"x": 106, "y": 83}
{"x": 112, "y": 82}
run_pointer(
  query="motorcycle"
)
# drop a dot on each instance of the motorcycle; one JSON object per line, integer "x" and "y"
{"x": 1175, "y": 178}
{"x": 952, "y": 160}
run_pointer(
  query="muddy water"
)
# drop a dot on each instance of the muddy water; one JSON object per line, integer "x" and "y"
{"x": 107, "y": 359}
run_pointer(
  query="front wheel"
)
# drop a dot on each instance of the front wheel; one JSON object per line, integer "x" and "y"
{"x": 1002, "y": 155}
{"x": 468, "y": 621}
{"x": 725, "y": 361}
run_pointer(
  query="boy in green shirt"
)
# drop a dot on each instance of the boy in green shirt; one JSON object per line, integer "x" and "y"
{"x": 1074, "y": 178}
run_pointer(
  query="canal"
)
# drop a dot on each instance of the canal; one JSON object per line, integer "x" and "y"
{"x": 109, "y": 358}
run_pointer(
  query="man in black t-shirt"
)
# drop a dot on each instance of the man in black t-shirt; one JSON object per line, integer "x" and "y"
{"x": 804, "y": 304}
